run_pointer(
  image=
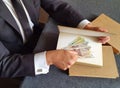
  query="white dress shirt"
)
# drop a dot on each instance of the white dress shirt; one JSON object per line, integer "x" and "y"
{"x": 40, "y": 63}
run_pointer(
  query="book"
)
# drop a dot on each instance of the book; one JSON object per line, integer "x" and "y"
{"x": 88, "y": 48}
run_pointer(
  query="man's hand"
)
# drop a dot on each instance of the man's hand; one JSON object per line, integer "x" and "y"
{"x": 62, "y": 59}
{"x": 103, "y": 40}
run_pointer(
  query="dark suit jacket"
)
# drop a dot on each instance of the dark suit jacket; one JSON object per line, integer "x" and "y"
{"x": 17, "y": 58}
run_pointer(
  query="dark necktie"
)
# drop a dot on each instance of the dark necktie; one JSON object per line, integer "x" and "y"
{"x": 22, "y": 18}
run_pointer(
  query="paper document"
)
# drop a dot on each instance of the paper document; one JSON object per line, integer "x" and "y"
{"x": 89, "y": 50}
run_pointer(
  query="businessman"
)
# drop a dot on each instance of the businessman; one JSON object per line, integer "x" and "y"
{"x": 20, "y": 30}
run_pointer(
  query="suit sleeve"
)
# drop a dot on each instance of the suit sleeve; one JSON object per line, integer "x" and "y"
{"x": 15, "y": 65}
{"x": 62, "y": 12}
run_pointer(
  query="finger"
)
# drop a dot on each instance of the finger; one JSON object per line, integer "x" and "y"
{"x": 99, "y": 29}
{"x": 104, "y": 40}
{"x": 95, "y": 29}
{"x": 68, "y": 66}
{"x": 64, "y": 66}
{"x": 102, "y": 30}
{"x": 73, "y": 52}
{"x": 71, "y": 62}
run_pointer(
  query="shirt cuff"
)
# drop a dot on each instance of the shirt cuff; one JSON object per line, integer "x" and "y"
{"x": 83, "y": 23}
{"x": 40, "y": 63}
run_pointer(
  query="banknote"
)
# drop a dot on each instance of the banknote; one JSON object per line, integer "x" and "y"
{"x": 81, "y": 46}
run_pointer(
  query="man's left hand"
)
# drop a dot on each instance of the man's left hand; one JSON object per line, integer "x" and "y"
{"x": 103, "y": 40}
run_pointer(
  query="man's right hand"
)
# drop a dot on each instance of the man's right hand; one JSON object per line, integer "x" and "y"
{"x": 62, "y": 59}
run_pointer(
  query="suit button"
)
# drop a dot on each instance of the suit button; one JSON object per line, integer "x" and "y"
{"x": 39, "y": 70}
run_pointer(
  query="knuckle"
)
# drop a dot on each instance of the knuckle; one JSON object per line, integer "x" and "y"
{"x": 69, "y": 63}
{"x": 64, "y": 68}
{"x": 66, "y": 52}
{"x": 74, "y": 57}
{"x": 68, "y": 66}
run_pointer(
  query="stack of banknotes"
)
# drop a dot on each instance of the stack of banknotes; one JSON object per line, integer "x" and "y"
{"x": 81, "y": 46}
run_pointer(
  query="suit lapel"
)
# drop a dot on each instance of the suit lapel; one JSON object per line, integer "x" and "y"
{"x": 6, "y": 15}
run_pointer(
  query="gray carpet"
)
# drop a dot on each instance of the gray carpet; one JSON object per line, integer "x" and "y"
{"x": 56, "y": 78}
{"x": 90, "y": 9}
